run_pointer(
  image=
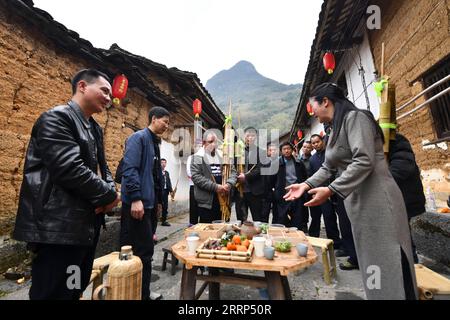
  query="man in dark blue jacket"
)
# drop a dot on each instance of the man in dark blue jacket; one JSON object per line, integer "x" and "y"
{"x": 142, "y": 185}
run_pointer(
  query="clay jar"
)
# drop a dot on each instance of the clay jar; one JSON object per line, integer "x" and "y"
{"x": 249, "y": 230}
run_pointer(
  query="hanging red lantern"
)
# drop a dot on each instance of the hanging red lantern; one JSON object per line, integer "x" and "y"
{"x": 119, "y": 88}
{"x": 300, "y": 134}
{"x": 197, "y": 107}
{"x": 295, "y": 143}
{"x": 329, "y": 62}
{"x": 309, "y": 109}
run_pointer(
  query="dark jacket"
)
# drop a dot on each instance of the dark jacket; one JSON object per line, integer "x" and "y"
{"x": 315, "y": 162}
{"x": 168, "y": 181}
{"x": 279, "y": 179}
{"x": 268, "y": 171}
{"x": 307, "y": 163}
{"x": 253, "y": 179}
{"x": 61, "y": 188}
{"x": 138, "y": 182}
{"x": 406, "y": 173}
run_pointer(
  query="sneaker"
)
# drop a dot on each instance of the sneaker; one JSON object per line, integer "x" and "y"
{"x": 165, "y": 224}
{"x": 348, "y": 266}
{"x": 340, "y": 253}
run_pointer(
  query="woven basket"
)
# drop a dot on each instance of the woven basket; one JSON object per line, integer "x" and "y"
{"x": 124, "y": 279}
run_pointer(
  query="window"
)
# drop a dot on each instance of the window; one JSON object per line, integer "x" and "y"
{"x": 440, "y": 108}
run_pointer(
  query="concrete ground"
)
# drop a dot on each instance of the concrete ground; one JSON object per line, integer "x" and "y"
{"x": 307, "y": 284}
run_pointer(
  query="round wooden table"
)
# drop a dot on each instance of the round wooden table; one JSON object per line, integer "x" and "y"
{"x": 275, "y": 278}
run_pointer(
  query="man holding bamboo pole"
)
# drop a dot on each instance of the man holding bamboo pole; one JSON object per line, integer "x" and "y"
{"x": 208, "y": 174}
{"x": 252, "y": 180}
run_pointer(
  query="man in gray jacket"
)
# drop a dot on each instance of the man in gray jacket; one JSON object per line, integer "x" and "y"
{"x": 206, "y": 170}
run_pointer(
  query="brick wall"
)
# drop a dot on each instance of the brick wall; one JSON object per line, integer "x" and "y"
{"x": 416, "y": 36}
{"x": 35, "y": 76}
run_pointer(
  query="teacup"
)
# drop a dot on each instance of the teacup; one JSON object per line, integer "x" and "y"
{"x": 193, "y": 243}
{"x": 302, "y": 249}
{"x": 269, "y": 252}
{"x": 194, "y": 234}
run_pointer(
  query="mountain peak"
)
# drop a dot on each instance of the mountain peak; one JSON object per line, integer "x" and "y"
{"x": 244, "y": 66}
{"x": 259, "y": 101}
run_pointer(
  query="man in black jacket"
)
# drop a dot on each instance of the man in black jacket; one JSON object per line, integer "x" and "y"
{"x": 267, "y": 170}
{"x": 291, "y": 170}
{"x": 66, "y": 190}
{"x": 252, "y": 180}
{"x": 166, "y": 190}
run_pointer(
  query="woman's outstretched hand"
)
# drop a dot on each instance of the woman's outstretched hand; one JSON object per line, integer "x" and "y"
{"x": 295, "y": 191}
{"x": 319, "y": 196}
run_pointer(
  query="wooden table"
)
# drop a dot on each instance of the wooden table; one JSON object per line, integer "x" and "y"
{"x": 275, "y": 279}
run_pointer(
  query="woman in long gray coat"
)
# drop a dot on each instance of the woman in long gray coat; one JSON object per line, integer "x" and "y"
{"x": 373, "y": 200}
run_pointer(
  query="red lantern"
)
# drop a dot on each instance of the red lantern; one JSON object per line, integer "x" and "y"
{"x": 309, "y": 109}
{"x": 329, "y": 62}
{"x": 119, "y": 88}
{"x": 322, "y": 134}
{"x": 300, "y": 134}
{"x": 197, "y": 107}
{"x": 295, "y": 143}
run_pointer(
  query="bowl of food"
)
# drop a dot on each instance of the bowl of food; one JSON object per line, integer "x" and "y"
{"x": 282, "y": 244}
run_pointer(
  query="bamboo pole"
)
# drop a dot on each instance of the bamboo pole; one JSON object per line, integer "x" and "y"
{"x": 228, "y": 155}
{"x": 240, "y": 158}
{"x": 387, "y": 119}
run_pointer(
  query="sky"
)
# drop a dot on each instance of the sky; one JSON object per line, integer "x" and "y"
{"x": 201, "y": 36}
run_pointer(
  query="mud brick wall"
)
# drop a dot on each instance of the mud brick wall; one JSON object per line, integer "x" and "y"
{"x": 416, "y": 36}
{"x": 35, "y": 76}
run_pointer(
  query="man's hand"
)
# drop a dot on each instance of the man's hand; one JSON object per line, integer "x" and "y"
{"x": 320, "y": 195}
{"x": 137, "y": 210}
{"x": 241, "y": 178}
{"x": 108, "y": 208}
{"x": 222, "y": 189}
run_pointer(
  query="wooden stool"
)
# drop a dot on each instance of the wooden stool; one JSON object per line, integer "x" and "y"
{"x": 329, "y": 264}
{"x": 173, "y": 261}
{"x": 431, "y": 285}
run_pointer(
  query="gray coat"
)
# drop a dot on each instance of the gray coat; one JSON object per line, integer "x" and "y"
{"x": 374, "y": 204}
{"x": 204, "y": 186}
